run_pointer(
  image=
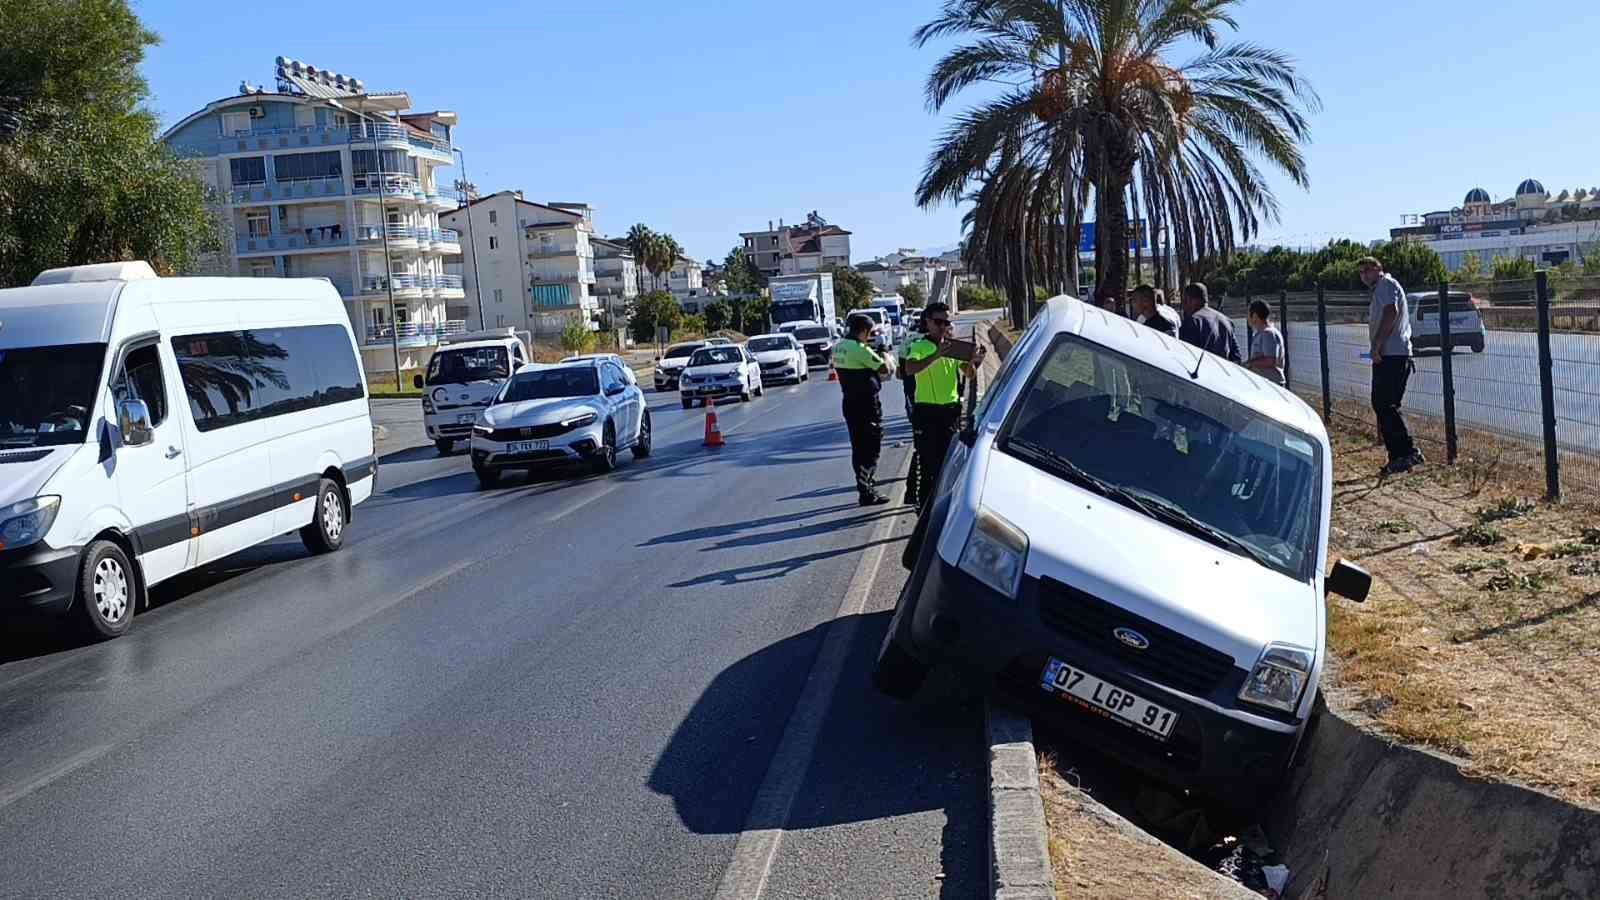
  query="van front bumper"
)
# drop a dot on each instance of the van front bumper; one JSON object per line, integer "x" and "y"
{"x": 38, "y": 578}
{"x": 1231, "y": 754}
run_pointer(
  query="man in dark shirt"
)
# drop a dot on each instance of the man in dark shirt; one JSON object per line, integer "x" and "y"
{"x": 1152, "y": 312}
{"x": 1206, "y": 328}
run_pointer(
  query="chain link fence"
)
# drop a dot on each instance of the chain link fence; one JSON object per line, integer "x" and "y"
{"x": 1520, "y": 382}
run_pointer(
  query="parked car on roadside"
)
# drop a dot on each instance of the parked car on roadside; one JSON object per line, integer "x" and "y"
{"x": 1131, "y": 540}
{"x": 581, "y": 412}
{"x": 720, "y": 371}
{"x": 669, "y": 365}
{"x": 150, "y": 426}
{"x": 1466, "y": 324}
{"x": 782, "y": 358}
{"x": 462, "y": 377}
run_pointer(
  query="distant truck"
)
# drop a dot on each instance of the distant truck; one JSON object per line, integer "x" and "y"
{"x": 464, "y": 374}
{"x": 802, "y": 298}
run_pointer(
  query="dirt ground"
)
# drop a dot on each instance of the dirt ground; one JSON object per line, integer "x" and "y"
{"x": 1097, "y": 854}
{"x": 1482, "y": 634}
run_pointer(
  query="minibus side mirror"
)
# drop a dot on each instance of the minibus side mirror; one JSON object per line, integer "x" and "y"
{"x": 416, "y": 382}
{"x": 133, "y": 418}
{"x": 1349, "y": 580}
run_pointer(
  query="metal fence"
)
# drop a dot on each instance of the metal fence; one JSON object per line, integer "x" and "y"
{"x": 1513, "y": 368}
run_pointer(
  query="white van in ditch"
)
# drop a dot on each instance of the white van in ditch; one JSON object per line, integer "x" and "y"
{"x": 152, "y": 425}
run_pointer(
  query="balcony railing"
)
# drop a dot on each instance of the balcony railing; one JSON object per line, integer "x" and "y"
{"x": 389, "y": 185}
{"x": 403, "y": 284}
{"x": 298, "y": 189}
{"x": 314, "y": 238}
{"x": 413, "y": 334}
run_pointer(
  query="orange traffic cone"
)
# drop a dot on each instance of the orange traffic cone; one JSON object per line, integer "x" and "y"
{"x": 713, "y": 433}
{"x": 833, "y": 374}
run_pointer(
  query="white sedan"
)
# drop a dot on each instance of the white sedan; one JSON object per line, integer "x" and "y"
{"x": 582, "y": 412}
{"x": 725, "y": 370}
{"x": 782, "y": 358}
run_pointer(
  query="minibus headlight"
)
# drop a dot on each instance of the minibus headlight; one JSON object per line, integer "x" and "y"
{"x": 1279, "y": 678}
{"x": 23, "y": 524}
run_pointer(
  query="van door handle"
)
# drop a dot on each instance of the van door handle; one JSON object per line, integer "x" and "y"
{"x": 173, "y": 453}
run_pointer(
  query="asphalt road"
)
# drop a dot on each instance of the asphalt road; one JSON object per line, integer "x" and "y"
{"x": 566, "y": 688}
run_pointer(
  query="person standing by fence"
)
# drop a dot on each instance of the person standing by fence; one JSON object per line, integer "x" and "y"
{"x": 1389, "y": 328}
{"x": 1206, "y": 328}
{"x": 1266, "y": 344}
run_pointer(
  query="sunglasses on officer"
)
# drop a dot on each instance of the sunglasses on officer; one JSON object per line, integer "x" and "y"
{"x": 944, "y": 322}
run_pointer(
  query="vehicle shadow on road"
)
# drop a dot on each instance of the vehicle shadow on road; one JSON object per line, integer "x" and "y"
{"x": 812, "y": 529}
{"x": 778, "y": 568}
{"x": 874, "y": 758}
{"x": 409, "y": 454}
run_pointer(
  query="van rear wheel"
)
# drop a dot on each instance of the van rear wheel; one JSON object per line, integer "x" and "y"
{"x": 107, "y": 590}
{"x": 325, "y": 534}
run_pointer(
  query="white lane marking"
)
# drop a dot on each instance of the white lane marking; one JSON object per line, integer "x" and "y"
{"x": 66, "y": 767}
{"x": 757, "y": 847}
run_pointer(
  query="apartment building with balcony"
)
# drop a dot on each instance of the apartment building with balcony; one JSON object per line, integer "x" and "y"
{"x": 535, "y": 262}
{"x": 797, "y": 249}
{"x": 616, "y": 278}
{"x": 322, "y": 178}
{"x": 686, "y": 279}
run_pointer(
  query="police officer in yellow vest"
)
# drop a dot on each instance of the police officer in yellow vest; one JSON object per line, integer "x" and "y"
{"x": 936, "y": 413}
{"x": 859, "y": 369}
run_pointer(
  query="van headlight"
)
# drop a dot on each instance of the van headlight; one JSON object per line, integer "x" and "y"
{"x": 995, "y": 552}
{"x": 483, "y": 428}
{"x": 1279, "y": 678}
{"x": 23, "y": 524}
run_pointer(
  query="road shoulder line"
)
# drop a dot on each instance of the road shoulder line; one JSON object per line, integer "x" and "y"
{"x": 757, "y": 846}
{"x": 1019, "y": 844}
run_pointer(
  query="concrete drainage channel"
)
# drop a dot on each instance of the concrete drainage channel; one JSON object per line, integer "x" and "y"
{"x": 1360, "y": 817}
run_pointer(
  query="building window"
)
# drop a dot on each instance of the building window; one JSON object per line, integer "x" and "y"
{"x": 248, "y": 170}
{"x": 307, "y": 166}
{"x": 499, "y": 295}
{"x": 261, "y": 268}
{"x": 494, "y": 217}
{"x": 395, "y": 162}
{"x": 258, "y": 224}
{"x": 236, "y": 123}
{"x": 494, "y": 242}
{"x": 305, "y": 117}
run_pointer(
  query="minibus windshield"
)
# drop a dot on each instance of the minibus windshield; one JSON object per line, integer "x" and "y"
{"x": 46, "y": 393}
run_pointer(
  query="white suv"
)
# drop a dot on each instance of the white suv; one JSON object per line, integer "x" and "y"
{"x": 1131, "y": 539}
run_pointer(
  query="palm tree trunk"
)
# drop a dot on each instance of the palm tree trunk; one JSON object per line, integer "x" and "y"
{"x": 1113, "y": 229}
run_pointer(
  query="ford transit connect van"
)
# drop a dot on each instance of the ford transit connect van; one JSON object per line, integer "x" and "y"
{"x": 1132, "y": 540}
{"x": 151, "y": 425}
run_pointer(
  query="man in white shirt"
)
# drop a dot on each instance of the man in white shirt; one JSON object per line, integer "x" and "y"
{"x": 1266, "y": 343}
{"x": 1389, "y": 328}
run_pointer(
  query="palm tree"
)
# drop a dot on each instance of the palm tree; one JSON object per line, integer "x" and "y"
{"x": 1092, "y": 102}
{"x": 639, "y": 241}
{"x": 668, "y": 251}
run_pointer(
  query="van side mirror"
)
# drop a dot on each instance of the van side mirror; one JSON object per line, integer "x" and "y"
{"x": 1350, "y": 581}
{"x": 416, "y": 382}
{"x": 133, "y": 419}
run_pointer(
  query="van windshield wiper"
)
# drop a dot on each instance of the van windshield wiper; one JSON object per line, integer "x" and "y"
{"x": 1167, "y": 511}
{"x": 1074, "y": 472}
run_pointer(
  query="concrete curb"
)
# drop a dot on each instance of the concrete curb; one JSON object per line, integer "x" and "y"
{"x": 1019, "y": 845}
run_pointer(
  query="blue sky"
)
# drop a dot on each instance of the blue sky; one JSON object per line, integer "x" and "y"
{"x": 705, "y": 119}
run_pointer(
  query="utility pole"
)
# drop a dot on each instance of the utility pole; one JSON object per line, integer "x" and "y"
{"x": 465, "y": 188}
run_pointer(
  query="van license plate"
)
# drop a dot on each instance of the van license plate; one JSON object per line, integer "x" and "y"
{"x": 527, "y": 446}
{"x": 1073, "y": 684}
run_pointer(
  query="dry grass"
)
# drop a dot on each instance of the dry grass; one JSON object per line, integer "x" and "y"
{"x": 1096, "y": 855}
{"x": 1482, "y": 634}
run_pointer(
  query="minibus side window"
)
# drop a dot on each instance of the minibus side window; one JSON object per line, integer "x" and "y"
{"x": 140, "y": 379}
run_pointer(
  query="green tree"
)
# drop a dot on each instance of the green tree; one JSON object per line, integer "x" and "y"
{"x": 83, "y": 177}
{"x": 1272, "y": 271}
{"x": 851, "y": 289}
{"x": 1470, "y": 270}
{"x": 576, "y": 336}
{"x": 913, "y": 295}
{"x": 977, "y": 296}
{"x": 1095, "y": 107}
{"x": 757, "y": 315}
{"x": 1415, "y": 265}
{"x": 652, "y": 310}
{"x": 718, "y": 315}
{"x": 640, "y": 242}
{"x": 1591, "y": 261}
{"x": 1340, "y": 275}
{"x": 1511, "y": 269}
{"x": 740, "y": 274}
{"x": 694, "y": 325}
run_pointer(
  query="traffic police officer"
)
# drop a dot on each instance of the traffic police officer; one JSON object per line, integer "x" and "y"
{"x": 859, "y": 368}
{"x": 914, "y": 476}
{"x": 937, "y": 408}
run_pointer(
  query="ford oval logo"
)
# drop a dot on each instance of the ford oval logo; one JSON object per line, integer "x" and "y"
{"x": 1132, "y": 638}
